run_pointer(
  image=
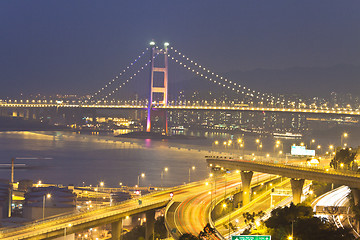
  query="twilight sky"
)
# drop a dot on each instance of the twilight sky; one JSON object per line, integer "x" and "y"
{"x": 77, "y": 46}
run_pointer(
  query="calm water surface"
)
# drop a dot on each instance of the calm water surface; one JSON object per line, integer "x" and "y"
{"x": 77, "y": 158}
{"x": 88, "y": 158}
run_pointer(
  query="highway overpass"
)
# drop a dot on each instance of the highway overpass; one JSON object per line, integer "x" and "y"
{"x": 297, "y": 174}
{"x": 72, "y": 223}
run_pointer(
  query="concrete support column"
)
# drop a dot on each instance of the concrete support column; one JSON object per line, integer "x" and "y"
{"x": 94, "y": 117}
{"x": 21, "y": 113}
{"x": 297, "y": 188}
{"x": 356, "y": 195}
{"x": 26, "y": 114}
{"x": 116, "y": 229}
{"x": 150, "y": 220}
{"x": 246, "y": 180}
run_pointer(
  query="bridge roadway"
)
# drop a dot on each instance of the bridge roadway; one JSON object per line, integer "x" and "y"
{"x": 76, "y": 222}
{"x": 192, "y": 213}
{"x": 55, "y": 227}
{"x": 291, "y": 171}
{"x": 343, "y": 111}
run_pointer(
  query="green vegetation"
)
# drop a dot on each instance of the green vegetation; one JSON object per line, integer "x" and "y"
{"x": 207, "y": 232}
{"x": 138, "y": 232}
{"x": 305, "y": 226}
{"x": 344, "y": 159}
{"x": 249, "y": 219}
{"x": 188, "y": 236}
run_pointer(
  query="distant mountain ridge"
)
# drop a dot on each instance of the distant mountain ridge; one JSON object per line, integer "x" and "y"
{"x": 309, "y": 81}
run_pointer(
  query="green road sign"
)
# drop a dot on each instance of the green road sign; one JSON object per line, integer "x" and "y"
{"x": 251, "y": 237}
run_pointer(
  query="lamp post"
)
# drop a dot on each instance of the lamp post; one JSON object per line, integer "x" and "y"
{"x": 162, "y": 175}
{"x": 67, "y": 226}
{"x": 319, "y": 148}
{"x": 291, "y": 237}
{"x": 311, "y": 143}
{"x": 141, "y": 175}
{"x": 343, "y": 136}
{"x": 192, "y": 168}
{"x": 331, "y": 147}
{"x": 278, "y": 143}
{"x": 216, "y": 143}
{"x": 259, "y": 145}
{"x": 48, "y": 196}
{"x": 229, "y": 211}
{"x": 239, "y": 142}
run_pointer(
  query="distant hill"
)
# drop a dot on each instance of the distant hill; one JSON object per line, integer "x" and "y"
{"x": 310, "y": 81}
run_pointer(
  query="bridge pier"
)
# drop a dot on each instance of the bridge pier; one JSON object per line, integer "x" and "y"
{"x": 150, "y": 222}
{"x": 246, "y": 177}
{"x": 116, "y": 229}
{"x": 356, "y": 195}
{"x": 297, "y": 187}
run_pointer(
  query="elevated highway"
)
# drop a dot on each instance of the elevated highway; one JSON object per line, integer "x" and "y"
{"x": 297, "y": 174}
{"x": 291, "y": 171}
{"x": 72, "y": 223}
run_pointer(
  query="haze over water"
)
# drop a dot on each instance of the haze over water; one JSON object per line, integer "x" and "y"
{"x": 78, "y": 158}
{"x": 91, "y": 159}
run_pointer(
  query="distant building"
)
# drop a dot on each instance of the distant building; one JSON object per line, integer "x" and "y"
{"x": 48, "y": 201}
{"x": 4, "y": 198}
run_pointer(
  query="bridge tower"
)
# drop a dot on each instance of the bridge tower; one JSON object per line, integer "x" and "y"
{"x": 158, "y": 86}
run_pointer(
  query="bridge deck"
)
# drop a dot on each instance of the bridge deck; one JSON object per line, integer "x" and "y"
{"x": 290, "y": 171}
{"x": 350, "y": 112}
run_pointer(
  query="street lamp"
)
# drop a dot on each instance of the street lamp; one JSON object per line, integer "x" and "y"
{"x": 344, "y": 135}
{"x": 311, "y": 142}
{"x": 259, "y": 145}
{"x": 162, "y": 175}
{"x": 278, "y": 144}
{"x": 141, "y": 175}
{"x": 291, "y": 237}
{"x": 319, "y": 148}
{"x": 192, "y": 168}
{"x": 48, "y": 196}
{"x": 331, "y": 147}
{"x": 280, "y": 152}
{"x": 229, "y": 211}
{"x": 67, "y": 226}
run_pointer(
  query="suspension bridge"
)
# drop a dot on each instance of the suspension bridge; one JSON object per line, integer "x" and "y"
{"x": 158, "y": 102}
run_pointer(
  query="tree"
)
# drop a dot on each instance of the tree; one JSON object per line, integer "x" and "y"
{"x": 249, "y": 219}
{"x": 344, "y": 158}
{"x": 305, "y": 225}
{"x": 188, "y": 236}
{"x": 207, "y": 232}
{"x": 137, "y": 233}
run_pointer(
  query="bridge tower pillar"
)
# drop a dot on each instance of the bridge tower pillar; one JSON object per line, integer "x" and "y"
{"x": 116, "y": 229}
{"x": 158, "y": 85}
{"x": 246, "y": 177}
{"x": 297, "y": 188}
{"x": 150, "y": 222}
